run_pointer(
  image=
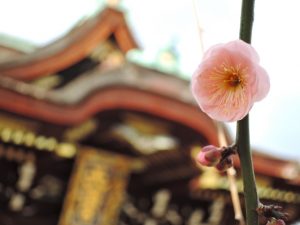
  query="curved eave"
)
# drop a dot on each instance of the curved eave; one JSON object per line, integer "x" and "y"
{"x": 109, "y": 99}
{"x": 68, "y": 50}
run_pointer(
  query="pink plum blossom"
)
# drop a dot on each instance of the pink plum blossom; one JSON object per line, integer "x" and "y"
{"x": 229, "y": 80}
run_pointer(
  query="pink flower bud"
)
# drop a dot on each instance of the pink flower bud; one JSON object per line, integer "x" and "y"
{"x": 274, "y": 221}
{"x": 209, "y": 155}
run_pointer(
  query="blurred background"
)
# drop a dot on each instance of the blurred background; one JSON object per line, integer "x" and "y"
{"x": 96, "y": 92}
{"x": 164, "y": 26}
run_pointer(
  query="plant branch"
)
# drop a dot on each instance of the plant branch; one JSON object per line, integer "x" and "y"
{"x": 243, "y": 134}
{"x": 247, "y": 17}
{"x": 244, "y": 152}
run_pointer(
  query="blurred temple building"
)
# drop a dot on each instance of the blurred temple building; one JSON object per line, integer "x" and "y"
{"x": 90, "y": 138}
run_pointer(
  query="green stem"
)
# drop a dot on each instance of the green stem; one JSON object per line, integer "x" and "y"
{"x": 243, "y": 136}
{"x": 250, "y": 193}
{"x": 247, "y": 16}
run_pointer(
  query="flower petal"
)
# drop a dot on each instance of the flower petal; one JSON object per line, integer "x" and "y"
{"x": 263, "y": 84}
{"x": 239, "y": 46}
{"x": 212, "y": 51}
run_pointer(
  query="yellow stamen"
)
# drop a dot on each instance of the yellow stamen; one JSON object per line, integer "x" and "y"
{"x": 233, "y": 75}
{"x": 226, "y": 84}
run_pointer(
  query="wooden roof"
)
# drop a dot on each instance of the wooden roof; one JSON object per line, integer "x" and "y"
{"x": 73, "y": 47}
{"x": 130, "y": 87}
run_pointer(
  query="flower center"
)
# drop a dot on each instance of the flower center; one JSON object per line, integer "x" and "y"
{"x": 234, "y": 76}
{"x": 234, "y": 80}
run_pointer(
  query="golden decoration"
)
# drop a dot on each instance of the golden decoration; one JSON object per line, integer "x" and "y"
{"x": 96, "y": 189}
{"x": 39, "y": 142}
{"x": 66, "y": 150}
{"x": 79, "y": 132}
{"x": 210, "y": 179}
